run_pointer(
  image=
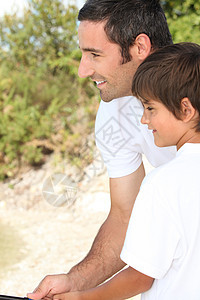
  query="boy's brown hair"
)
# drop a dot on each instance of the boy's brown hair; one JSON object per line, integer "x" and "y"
{"x": 170, "y": 74}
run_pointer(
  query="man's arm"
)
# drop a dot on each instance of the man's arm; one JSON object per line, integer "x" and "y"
{"x": 103, "y": 260}
{"x": 125, "y": 284}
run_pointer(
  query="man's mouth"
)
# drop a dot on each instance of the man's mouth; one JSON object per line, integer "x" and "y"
{"x": 99, "y": 83}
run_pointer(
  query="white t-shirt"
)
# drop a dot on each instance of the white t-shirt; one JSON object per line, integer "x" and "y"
{"x": 122, "y": 139}
{"x": 163, "y": 237}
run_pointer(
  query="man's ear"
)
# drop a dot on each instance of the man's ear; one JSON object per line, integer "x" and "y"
{"x": 188, "y": 112}
{"x": 142, "y": 47}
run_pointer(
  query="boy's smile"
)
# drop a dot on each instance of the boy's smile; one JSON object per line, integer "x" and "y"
{"x": 166, "y": 128}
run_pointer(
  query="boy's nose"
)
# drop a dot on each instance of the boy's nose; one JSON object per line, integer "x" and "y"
{"x": 144, "y": 119}
{"x": 85, "y": 69}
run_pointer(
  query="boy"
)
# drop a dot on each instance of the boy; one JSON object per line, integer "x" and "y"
{"x": 162, "y": 244}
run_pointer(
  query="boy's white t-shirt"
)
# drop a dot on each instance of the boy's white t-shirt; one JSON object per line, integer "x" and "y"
{"x": 163, "y": 237}
{"x": 122, "y": 139}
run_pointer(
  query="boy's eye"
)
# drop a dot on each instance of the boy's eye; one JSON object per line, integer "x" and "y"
{"x": 149, "y": 108}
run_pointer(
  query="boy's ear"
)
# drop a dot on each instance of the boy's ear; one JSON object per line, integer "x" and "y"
{"x": 187, "y": 110}
{"x": 142, "y": 47}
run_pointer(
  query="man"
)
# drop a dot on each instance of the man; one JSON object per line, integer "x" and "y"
{"x": 115, "y": 36}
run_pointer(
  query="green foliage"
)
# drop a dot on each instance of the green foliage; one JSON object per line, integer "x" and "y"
{"x": 183, "y": 19}
{"x": 44, "y": 106}
{"x": 46, "y": 31}
{"x": 41, "y": 96}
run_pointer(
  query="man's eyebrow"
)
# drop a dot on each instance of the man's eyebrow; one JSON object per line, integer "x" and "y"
{"x": 91, "y": 50}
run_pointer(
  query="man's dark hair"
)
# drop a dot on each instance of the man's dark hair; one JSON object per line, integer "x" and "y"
{"x": 126, "y": 19}
{"x": 169, "y": 75}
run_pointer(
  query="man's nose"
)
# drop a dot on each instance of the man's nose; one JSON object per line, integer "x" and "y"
{"x": 85, "y": 68}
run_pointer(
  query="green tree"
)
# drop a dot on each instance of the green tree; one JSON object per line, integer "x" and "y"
{"x": 42, "y": 100}
{"x": 184, "y": 19}
{"x": 46, "y": 31}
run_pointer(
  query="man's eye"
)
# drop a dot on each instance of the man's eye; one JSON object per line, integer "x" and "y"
{"x": 94, "y": 55}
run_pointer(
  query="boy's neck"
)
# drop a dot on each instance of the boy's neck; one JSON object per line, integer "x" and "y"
{"x": 192, "y": 139}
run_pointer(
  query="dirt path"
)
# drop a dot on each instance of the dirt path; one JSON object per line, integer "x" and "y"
{"x": 49, "y": 239}
{"x": 52, "y": 239}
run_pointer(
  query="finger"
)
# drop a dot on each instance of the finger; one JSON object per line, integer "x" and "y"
{"x": 41, "y": 291}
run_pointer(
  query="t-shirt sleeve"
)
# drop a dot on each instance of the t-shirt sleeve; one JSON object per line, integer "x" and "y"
{"x": 119, "y": 162}
{"x": 118, "y": 142}
{"x": 152, "y": 236}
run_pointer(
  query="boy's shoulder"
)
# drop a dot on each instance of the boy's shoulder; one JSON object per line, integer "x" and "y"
{"x": 157, "y": 174}
{"x": 187, "y": 157}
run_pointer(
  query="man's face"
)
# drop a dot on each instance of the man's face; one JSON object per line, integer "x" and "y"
{"x": 102, "y": 62}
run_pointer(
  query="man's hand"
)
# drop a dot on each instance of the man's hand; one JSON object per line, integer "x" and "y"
{"x": 51, "y": 285}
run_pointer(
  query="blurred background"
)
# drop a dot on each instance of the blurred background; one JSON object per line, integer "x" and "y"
{"x": 44, "y": 106}
{"x": 47, "y": 117}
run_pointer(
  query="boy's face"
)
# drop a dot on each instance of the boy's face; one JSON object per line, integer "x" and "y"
{"x": 166, "y": 128}
{"x": 102, "y": 62}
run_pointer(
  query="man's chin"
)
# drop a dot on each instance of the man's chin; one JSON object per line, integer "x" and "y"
{"x": 106, "y": 98}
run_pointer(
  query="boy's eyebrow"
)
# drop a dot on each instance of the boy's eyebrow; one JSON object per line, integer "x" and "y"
{"x": 91, "y": 50}
{"x": 145, "y": 101}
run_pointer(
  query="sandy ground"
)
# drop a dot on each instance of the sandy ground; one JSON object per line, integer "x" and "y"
{"x": 48, "y": 239}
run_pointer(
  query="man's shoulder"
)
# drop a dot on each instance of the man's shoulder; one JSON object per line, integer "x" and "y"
{"x": 120, "y": 106}
{"x": 118, "y": 127}
{"x": 121, "y": 115}
{"x": 118, "y": 135}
